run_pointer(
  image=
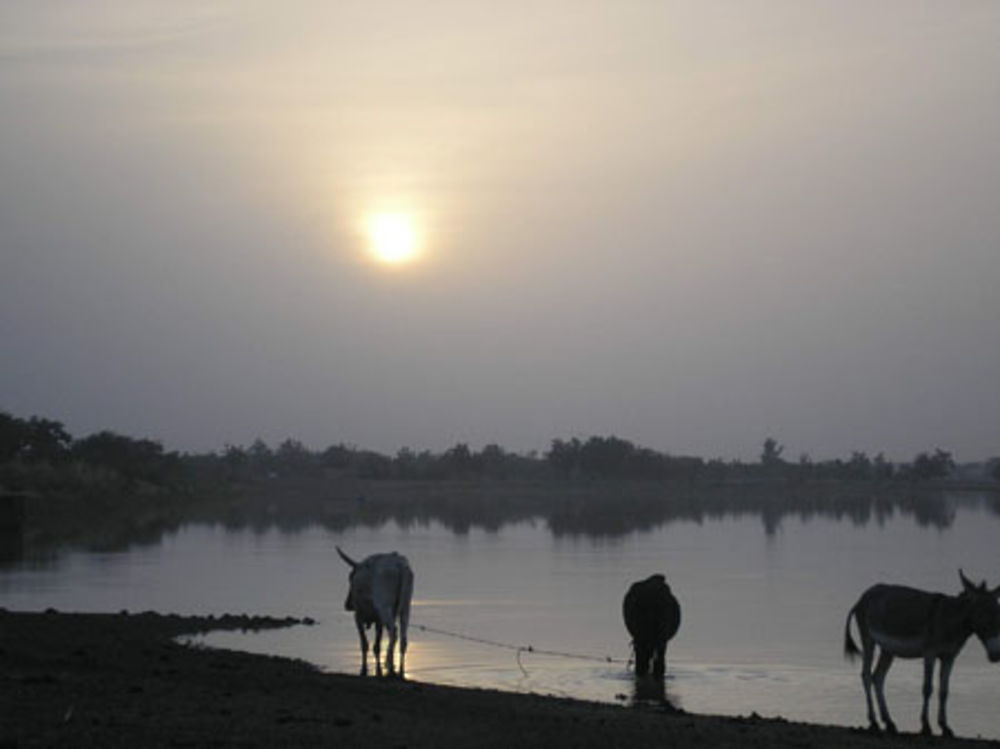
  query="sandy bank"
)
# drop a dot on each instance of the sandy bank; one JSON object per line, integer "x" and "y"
{"x": 121, "y": 681}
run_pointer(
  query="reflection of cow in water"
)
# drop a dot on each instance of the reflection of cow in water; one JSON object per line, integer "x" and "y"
{"x": 652, "y": 616}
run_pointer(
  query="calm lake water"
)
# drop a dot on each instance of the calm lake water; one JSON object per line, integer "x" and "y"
{"x": 763, "y": 606}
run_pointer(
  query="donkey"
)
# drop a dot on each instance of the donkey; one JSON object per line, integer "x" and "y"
{"x": 379, "y": 593}
{"x": 911, "y": 623}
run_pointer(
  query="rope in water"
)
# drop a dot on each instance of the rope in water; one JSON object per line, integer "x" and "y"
{"x": 519, "y": 649}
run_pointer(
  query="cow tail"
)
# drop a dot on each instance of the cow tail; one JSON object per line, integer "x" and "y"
{"x": 404, "y": 589}
{"x": 850, "y": 649}
{"x": 400, "y": 590}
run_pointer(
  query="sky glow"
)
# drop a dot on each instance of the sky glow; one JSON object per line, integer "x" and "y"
{"x": 690, "y": 224}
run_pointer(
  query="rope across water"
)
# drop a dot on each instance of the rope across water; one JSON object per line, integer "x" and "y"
{"x": 519, "y": 649}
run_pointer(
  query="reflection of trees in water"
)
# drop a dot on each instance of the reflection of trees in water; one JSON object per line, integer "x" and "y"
{"x": 11, "y": 546}
{"x": 608, "y": 510}
{"x": 609, "y": 516}
{"x": 598, "y": 510}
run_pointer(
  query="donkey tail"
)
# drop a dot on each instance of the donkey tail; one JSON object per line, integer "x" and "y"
{"x": 850, "y": 649}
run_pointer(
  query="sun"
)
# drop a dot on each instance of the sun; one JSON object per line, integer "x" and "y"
{"x": 392, "y": 237}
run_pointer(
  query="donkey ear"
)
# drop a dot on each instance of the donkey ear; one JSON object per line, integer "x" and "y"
{"x": 966, "y": 582}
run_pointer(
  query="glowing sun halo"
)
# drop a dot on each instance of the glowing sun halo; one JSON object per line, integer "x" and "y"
{"x": 393, "y": 238}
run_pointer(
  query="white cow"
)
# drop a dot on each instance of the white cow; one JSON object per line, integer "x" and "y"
{"x": 381, "y": 587}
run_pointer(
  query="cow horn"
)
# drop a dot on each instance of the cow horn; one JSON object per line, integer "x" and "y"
{"x": 346, "y": 558}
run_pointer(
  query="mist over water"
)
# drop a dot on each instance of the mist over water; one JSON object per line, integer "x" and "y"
{"x": 763, "y": 602}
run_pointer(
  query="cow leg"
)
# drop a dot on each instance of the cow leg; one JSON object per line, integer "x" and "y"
{"x": 364, "y": 646}
{"x": 378, "y": 648}
{"x": 404, "y": 623}
{"x": 925, "y": 724}
{"x": 866, "y": 680}
{"x": 642, "y": 655}
{"x": 885, "y": 659}
{"x": 660, "y": 659}
{"x": 946, "y": 663}
{"x": 390, "y": 665}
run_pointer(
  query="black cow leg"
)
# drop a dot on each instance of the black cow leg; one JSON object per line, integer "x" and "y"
{"x": 660, "y": 661}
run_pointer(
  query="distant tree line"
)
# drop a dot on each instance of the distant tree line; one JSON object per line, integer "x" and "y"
{"x": 292, "y": 458}
{"x": 594, "y": 458}
{"x": 41, "y": 454}
{"x": 614, "y": 457}
{"x": 38, "y": 453}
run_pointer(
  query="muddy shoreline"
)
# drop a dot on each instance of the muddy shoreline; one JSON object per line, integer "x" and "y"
{"x": 121, "y": 680}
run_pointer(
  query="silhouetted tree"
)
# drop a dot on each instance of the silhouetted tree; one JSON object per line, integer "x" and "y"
{"x": 141, "y": 459}
{"x": 938, "y": 465}
{"x": 235, "y": 460}
{"x": 771, "y": 454}
{"x": 770, "y": 457}
{"x": 683, "y": 467}
{"x": 372, "y": 465}
{"x": 716, "y": 469}
{"x": 457, "y": 461}
{"x": 564, "y": 457}
{"x": 292, "y": 458}
{"x": 11, "y": 436}
{"x": 260, "y": 458}
{"x": 805, "y": 468}
{"x": 882, "y": 468}
{"x": 859, "y": 467}
{"x": 494, "y": 462}
{"x": 338, "y": 456}
{"x": 605, "y": 456}
{"x": 33, "y": 440}
{"x": 405, "y": 465}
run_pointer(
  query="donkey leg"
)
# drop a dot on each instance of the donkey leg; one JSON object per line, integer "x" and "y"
{"x": 945, "y": 674}
{"x": 925, "y": 724}
{"x": 885, "y": 659}
{"x": 866, "y": 682}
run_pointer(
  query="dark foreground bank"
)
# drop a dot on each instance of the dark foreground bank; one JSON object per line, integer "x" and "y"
{"x": 121, "y": 681}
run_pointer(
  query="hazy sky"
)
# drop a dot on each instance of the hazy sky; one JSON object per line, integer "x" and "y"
{"x": 690, "y": 223}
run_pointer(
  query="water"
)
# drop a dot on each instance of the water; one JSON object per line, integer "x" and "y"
{"x": 763, "y": 612}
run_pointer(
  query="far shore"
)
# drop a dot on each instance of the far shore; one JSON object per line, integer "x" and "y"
{"x": 598, "y": 508}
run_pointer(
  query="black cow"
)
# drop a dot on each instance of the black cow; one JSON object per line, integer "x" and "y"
{"x": 652, "y": 616}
